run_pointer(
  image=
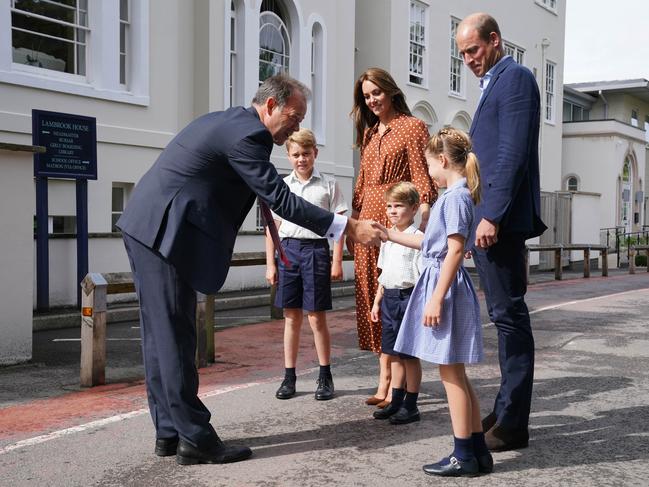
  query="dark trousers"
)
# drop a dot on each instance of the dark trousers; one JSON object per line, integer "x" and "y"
{"x": 503, "y": 278}
{"x": 168, "y": 330}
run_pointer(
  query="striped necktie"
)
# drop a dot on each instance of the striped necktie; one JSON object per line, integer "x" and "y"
{"x": 272, "y": 229}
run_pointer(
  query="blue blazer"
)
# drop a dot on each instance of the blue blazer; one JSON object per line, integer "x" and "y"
{"x": 505, "y": 134}
{"x": 190, "y": 204}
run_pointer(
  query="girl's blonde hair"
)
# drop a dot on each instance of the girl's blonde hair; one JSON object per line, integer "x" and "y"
{"x": 403, "y": 192}
{"x": 456, "y": 146}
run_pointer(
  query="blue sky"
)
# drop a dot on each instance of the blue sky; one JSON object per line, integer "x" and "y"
{"x": 606, "y": 40}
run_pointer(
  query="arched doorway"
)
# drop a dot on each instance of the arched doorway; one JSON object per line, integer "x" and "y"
{"x": 625, "y": 216}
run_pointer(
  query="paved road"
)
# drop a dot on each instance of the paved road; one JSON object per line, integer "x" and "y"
{"x": 590, "y": 420}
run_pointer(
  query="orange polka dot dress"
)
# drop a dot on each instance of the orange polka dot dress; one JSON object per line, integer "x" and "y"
{"x": 388, "y": 158}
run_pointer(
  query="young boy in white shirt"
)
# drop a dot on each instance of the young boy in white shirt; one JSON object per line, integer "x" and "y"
{"x": 400, "y": 268}
{"x": 306, "y": 284}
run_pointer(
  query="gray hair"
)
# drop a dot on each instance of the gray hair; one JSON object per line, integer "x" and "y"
{"x": 280, "y": 87}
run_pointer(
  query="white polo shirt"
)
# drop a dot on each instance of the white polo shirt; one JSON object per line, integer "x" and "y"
{"x": 320, "y": 190}
{"x": 400, "y": 266}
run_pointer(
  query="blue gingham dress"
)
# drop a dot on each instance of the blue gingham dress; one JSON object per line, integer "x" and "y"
{"x": 458, "y": 337}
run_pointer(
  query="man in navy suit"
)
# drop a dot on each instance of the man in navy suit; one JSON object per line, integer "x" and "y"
{"x": 505, "y": 133}
{"x": 179, "y": 229}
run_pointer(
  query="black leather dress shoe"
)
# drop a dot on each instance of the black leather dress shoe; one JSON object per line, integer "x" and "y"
{"x": 489, "y": 421}
{"x": 500, "y": 438}
{"x": 165, "y": 447}
{"x": 403, "y": 416}
{"x": 387, "y": 411}
{"x": 452, "y": 467}
{"x": 325, "y": 390}
{"x": 217, "y": 452}
{"x": 485, "y": 463}
{"x": 286, "y": 390}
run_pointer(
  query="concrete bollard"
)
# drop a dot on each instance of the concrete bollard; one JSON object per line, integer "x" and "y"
{"x": 93, "y": 330}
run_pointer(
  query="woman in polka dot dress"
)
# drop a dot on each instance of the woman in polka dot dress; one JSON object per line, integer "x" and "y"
{"x": 392, "y": 144}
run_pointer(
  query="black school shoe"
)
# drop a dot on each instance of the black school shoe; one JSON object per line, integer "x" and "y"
{"x": 403, "y": 416}
{"x": 166, "y": 447}
{"x": 485, "y": 463}
{"x": 325, "y": 390}
{"x": 216, "y": 452}
{"x": 287, "y": 389}
{"x": 453, "y": 467}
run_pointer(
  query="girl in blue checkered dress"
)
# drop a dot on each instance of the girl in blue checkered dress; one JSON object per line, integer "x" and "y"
{"x": 442, "y": 321}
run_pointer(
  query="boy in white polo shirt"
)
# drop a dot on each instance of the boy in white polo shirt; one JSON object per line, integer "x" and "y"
{"x": 400, "y": 268}
{"x": 306, "y": 284}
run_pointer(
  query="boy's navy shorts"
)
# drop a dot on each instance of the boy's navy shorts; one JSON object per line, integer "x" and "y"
{"x": 393, "y": 307}
{"x": 307, "y": 283}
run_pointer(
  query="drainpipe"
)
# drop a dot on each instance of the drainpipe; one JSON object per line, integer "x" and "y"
{"x": 601, "y": 95}
{"x": 545, "y": 43}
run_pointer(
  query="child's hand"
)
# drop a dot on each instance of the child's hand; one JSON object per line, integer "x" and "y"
{"x": 468, "y": 254}
{"x": 375, "y": 314}
{"x": 271, "y": 275}
{"x": 336, "y": 271}
{"x": 432, "y": 313}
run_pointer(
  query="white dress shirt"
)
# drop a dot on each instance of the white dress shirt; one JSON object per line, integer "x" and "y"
{"x": 400, "y": 266}
{"x": 322, "y": 191}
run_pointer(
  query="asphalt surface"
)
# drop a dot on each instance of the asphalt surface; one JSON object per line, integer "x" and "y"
{"x": 589, "y": 424}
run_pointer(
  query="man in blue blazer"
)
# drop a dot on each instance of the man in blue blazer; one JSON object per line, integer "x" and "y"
{"x": 505, "y": 133}
{"x": 179, "y": 229}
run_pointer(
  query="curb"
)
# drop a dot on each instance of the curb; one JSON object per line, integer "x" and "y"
{"x": 129, "y": 311}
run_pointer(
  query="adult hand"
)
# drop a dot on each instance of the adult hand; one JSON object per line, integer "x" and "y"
{"x": 486, "y": 234}
{"x": 365, "y": 232}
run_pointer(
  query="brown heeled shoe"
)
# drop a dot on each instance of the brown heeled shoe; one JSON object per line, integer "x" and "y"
{"x": 373, "y": 401}
{"x": 382, "y": 404}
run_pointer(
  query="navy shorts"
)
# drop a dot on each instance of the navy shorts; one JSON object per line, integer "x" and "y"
{"x": 393, "y": 307}
{"x": 307, "y": 283}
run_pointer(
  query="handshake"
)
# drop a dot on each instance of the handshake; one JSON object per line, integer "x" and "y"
{"x": 366, "y": 232}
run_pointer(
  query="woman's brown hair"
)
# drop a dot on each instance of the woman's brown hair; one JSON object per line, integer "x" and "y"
{"x": 361, "y": 114}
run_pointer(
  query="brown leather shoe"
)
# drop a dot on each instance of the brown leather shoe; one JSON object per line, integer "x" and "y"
{"x": 500, "y": 438}
{"x": 373, "y": 400}
{"x": 382, "y": 404}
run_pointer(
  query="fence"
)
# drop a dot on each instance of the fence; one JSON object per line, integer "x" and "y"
{"x": 621, "y": 243}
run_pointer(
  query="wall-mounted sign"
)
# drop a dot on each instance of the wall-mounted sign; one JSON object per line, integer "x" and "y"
{"x": 71, "y": 143}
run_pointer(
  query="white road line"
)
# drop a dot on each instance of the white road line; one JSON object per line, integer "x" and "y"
{"x": 122, "y": 417}
{"x": 37, "y": 440}
{"x": 578, "y": 301}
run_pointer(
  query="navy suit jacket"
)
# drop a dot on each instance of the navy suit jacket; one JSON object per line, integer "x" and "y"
{"x": 505, "y": 134}
{"x": 191, "y": 203}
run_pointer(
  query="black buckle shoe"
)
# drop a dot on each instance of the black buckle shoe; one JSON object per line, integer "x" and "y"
{"x": 452, "y": 467}
{"x": 166, "y": 447}
{"x": 403, "y": 416}
{"x": 217, "y": 452}
{"x": 287, "y": 389}
{"x": 325, "y": 390}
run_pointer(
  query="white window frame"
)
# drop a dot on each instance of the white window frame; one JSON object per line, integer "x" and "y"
{"x": 456, "y": 58}
{"x": 568, "y": 181}
{"x": 125, "y": 45}
{"x": 417, "y": 44}
{"x": 549, "y": 5}
{"x": 126, "y": 194}
{"x": 283, "y": 31}
{"x": 634, "y": 117}
{"x": 517, "y": 52}
{"x": 317, "y": 75}
{"x": 550, "y": 91}
{"x": 101, "y": 79}
{"x": 646, "y": 129}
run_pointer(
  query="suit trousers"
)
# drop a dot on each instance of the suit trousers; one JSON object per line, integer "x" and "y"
{"x": 168, "y": 331}
{"x": 503, "y": 277}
